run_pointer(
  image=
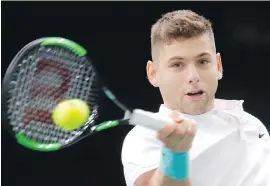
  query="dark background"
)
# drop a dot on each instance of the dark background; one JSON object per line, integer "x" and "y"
{"x": 117, "y": 35}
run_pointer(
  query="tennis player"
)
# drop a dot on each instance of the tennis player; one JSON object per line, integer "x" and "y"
{"x": 212, "y": 142}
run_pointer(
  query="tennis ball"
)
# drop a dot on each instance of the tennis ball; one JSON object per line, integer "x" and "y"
{"x": 71, "y": 114}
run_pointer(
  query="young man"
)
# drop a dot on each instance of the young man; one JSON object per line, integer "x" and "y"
{"x": 212, "y": 142}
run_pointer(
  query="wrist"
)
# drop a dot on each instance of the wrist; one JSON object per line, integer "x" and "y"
{"x": 174, "y": 164}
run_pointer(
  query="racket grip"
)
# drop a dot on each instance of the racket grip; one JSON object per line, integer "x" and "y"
{"x": 149, "y": 120}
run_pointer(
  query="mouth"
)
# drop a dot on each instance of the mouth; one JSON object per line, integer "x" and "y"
{"x": 195, "y": 93}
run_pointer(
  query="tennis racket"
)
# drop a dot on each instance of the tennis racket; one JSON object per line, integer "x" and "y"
{"x": 47, "y": 71}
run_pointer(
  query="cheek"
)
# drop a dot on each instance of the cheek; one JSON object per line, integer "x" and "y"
{"x": 209, "y": 73}
{"x": 172, "y": 81}
{"x": 211, "y": 80}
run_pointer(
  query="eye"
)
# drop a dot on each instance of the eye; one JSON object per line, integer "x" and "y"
{"x": 203, "y": 62}
{"x": 176, "y": 65}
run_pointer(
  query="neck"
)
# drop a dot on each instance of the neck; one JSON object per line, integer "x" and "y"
{"x": 189, "y": 111}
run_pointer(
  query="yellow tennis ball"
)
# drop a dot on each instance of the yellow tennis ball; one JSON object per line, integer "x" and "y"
{"x": 71, "y": 114}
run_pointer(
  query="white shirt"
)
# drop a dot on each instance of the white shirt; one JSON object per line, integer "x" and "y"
{"x": 226, "y": 150}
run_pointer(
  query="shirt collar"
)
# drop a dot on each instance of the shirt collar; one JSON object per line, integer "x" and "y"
{"x": 219, "y": 104}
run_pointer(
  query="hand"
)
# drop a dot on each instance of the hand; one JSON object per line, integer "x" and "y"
{"x": 178, "y": 136}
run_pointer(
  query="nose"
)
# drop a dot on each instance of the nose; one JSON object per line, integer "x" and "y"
{"x": 193, "y": 75}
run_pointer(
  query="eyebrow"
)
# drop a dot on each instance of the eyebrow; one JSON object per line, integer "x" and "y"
{"x": 203, "y": 54}
{"x": 198, "y": 56}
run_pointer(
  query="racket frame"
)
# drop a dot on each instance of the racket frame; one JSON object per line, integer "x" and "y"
{"x": 146, "y": 119}
{"x": 90, "y": 129}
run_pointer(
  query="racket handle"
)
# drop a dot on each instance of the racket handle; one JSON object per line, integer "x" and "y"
{"x": 149, "y": 120}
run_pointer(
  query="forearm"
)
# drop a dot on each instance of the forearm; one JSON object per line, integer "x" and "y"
{"x": 159, "y": 179}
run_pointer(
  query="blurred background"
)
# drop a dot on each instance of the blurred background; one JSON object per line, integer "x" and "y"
{"x": 117, "y": 36}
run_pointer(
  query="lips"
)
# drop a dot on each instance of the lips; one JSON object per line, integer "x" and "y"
{"x": 195, "y": 93}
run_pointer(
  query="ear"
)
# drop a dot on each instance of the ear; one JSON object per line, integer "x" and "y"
{"x": 219, "y": 66}
{"x": 151, "y": 70}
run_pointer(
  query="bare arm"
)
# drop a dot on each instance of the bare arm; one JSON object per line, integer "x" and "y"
{"x": 157, "y": 178}
{"x": 177, "y": 137}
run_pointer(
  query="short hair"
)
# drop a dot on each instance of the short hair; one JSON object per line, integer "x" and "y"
{"x": 182, "y": 24}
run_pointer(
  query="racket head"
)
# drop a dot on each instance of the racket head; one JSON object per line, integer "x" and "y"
{"x": 43, "y": 73}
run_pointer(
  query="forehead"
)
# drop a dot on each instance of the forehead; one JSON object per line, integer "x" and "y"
{"x": 188, "y": 48}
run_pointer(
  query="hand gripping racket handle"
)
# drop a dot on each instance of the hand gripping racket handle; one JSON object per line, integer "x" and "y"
{"x": 154, "y": 121}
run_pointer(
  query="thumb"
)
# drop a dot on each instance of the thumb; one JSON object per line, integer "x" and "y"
{"x": 175, "y": 115}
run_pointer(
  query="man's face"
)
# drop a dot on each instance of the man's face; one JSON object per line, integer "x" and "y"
{"x": 187, "y": 73}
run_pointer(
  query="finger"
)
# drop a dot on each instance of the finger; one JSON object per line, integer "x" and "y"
{"x": 191, "y": 131}
{"x": 190, "y": 127}
{"x": 186, "y": 131}
{"x": 173, "y": 139}
{"x": 176, "y": 117}
{"x": 170, "y": 127}
{"x": 182, "y": 128}
{"x": 177, "y": 135}
{"x": 166, "y": 131}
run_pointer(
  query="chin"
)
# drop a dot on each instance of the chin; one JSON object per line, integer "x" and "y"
{"x": 195, "y": 111}
{"x": 196, "y": 108}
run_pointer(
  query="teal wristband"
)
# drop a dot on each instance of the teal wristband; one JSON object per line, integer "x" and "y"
{"x": 174, "y": 164}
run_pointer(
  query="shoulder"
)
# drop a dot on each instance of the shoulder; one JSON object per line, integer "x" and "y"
{"x": 252, "y": 120}
{"x": 248, "y": 121}
{"x": 235, "y": 108}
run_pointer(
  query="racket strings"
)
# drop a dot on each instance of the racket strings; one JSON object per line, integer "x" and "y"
{"x": 18, "y": 88}
{"x": 44, "y": 77}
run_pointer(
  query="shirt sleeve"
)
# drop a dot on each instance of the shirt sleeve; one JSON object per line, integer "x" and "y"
{"x": 264, "y": 132}
{"x": 140, "y": 153}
